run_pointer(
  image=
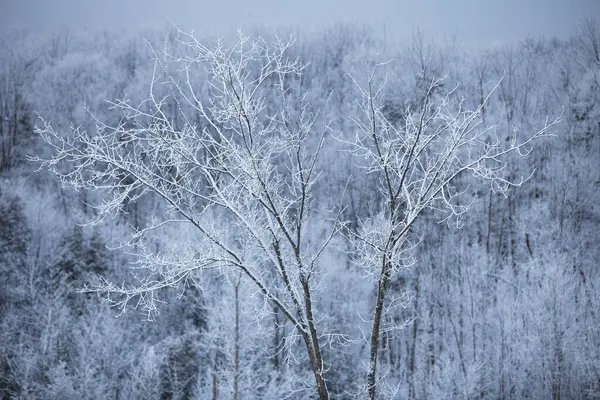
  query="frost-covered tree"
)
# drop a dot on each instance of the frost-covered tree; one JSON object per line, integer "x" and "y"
{"x": 418, "y": 163}
{"x": 234, "y": 162}
{"x": 220, "y": 177}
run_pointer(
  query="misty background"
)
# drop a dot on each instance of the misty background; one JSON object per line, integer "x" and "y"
{"x": 482, "y": 22}
{"x": 502, "y": 306}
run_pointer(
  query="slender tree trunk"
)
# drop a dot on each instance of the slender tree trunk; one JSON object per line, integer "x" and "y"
{"x": 321, "y": 385}
{"x": 412, "y": 365}
{"x": 381, "y": 292}
{"x": 317, "y": 368}
{"x": 276, "y": 340}
{"x": 214, "y": 386}
{"x": 312, "y": 343}
{"x": 236, "y": 352}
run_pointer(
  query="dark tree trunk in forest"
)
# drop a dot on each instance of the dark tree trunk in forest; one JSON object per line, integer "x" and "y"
{"x": 374, "y": 348}
{"x": 236, "y": 352}
{"x": 312, "y": 344}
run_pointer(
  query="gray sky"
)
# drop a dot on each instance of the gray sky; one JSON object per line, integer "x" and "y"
{"x": 471, "y": 20}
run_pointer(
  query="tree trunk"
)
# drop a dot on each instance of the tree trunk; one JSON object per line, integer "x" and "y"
{"x": 214, "y": 386}
{"x": 317, "y": 368}
{"x": 312, "y": 344}
{"x": 413, "y": 350}
{"x": 276, "y": 340}
{"x": 381, "y": 292}
{"x": 236, "y": 352}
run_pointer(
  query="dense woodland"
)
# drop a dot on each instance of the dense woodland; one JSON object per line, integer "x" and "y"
{"x": 497, "y": 295}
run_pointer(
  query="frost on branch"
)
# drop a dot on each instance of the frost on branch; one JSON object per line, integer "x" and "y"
{"x": 417, "y": 162}
{"x": 236, "y": 162}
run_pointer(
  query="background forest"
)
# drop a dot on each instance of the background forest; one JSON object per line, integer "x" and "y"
{"x": 502, "y": 305}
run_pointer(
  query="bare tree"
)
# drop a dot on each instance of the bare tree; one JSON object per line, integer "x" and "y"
{"x": 417, "y": 163}
{"x": 242, "y": 177}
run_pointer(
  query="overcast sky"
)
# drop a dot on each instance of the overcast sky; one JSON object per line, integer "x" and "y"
{"x": 471, "y": 20}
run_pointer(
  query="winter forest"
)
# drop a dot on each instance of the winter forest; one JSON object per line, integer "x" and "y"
{"x": 324, "y": 215}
